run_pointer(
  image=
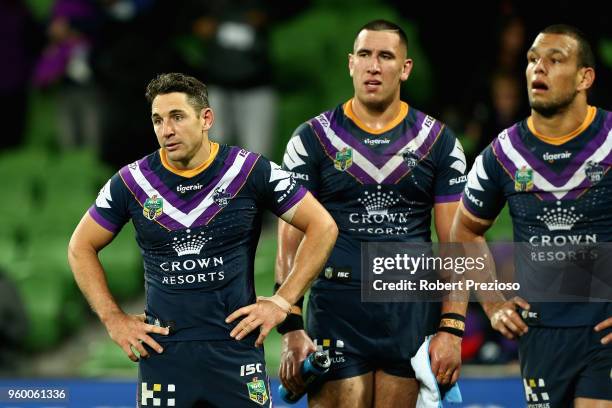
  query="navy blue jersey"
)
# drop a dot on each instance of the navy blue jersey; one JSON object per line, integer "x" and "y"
{"x": 198, "y": 232}
{"x": 378, "y": 186}
{"x": 558, "y": 195}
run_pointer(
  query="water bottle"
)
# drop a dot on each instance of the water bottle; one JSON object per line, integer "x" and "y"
{"x": 315, "y": 365}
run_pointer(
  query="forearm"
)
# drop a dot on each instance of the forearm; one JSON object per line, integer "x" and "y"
{"x": 310, "y": 256}
{"x": 91, "y": 279}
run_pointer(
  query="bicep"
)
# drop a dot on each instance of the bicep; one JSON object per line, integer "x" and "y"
{"x": 467, "y": 227}
{"x": 90, "y": 235}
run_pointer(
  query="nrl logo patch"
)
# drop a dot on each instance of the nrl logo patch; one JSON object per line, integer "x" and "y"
{"x": 594, "y": 172}
{"x": 153, "y": 207}
{"x": 257, "y": 391}
{"x": 221, "y": 197}
{"x": 523, "y": 179}
{"x": 344, "y": 159}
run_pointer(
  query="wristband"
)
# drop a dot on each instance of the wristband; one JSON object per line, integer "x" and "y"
{"x": 451, "y": 330}
{"x": 293, "y": 322}
{"x": 455, "y": 316}
{"x": 452, "y": 323}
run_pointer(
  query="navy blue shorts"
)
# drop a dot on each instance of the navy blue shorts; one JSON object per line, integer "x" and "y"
{"x": 560, "y": 364}
{"x": 204, "y": 374}
{"x": 365, "y": 337}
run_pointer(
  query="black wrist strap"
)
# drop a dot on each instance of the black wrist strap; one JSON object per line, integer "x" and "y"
{"x": 455, "y": 316}
{"x": 291, "y": 323}
{"x": 451, "y": 330}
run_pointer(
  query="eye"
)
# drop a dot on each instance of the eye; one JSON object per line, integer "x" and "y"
{"x": 178, "y": 117}
{"x": 157, "y": 121}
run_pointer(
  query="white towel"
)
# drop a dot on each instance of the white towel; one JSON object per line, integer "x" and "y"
{"x": 429, "y": 392}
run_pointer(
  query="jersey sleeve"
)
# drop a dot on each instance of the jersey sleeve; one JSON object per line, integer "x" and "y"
{"x": 276, "y": 188}
{"x": 111, "y": 207}
{"x": 483, "y": 195}
{"x": 302, "y": 158}
{"x": 450, "y": 168}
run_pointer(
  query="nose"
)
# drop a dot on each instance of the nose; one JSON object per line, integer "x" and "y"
{"x": 374, "y": 66}
{"x": 167, "y": 129}
{"x": 539, "y": 66}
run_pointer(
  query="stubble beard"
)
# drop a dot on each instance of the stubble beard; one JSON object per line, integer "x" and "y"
{"x": 554, "y": 107}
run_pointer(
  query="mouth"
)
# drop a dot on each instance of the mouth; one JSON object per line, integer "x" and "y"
{"x": 538, "y": 86}
{"x": 172, "y": 146}
{"x": 372, "y": 84}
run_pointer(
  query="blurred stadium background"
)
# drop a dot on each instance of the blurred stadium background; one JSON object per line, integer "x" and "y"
{"x": 468, "y": 72}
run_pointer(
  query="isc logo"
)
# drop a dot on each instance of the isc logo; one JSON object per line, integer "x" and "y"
{"x": 344, "y": 275}
{"x": 250, "y": 369}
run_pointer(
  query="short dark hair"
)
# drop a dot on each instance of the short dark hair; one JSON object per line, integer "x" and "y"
{"x": 585, "y": 52}
{"x": 385, "y": 25}
{"x": 197, "y": 94}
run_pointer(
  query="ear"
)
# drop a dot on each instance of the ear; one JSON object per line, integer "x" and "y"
{"x": 406, "y": 69}
{"x": 207, "y": 117}
{"x": 586, "y": 77}
{"x": 351, "y": 64}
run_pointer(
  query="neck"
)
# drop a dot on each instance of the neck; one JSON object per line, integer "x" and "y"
{"x": 376, "y": 117}
{"x": 562, "y": 122}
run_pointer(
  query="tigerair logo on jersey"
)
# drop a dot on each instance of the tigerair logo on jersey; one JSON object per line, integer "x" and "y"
{"x": 377, "y": 142}
{"x": 523, "y": 179}
{"x": 334, "y": 353}
{"x": 153, "y": 397}
{"x": 378, "y": 217}
{"x": 258, "y": 391}
{"x": 552, "y": 157}
{"x": 153, "y": 207}
{"x": 183, "y": 189}
{"x": 535, "y": 393}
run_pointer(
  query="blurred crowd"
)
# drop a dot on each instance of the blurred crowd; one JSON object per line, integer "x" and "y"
{"x": 269, "y": 66}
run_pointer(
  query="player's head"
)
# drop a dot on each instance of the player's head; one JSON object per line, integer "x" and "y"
{"x": 560, "y": 69}
{"x": 180, "y": 114}
{"x": 379, "y": 63}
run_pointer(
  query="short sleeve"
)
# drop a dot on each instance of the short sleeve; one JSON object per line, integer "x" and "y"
{"x": 483, "y": 195}
{"x": 450, "y": 165}
{"x": 111, "y": 207}
{"x": 302, "y": 158}
{"x": 275, "y": 187}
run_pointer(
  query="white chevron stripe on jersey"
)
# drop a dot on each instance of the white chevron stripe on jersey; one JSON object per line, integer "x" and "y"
{"x": 540, "y": 181}
{"x": 187, "y": 219}
{"x": 458, "y": 154}
{"x": 295, "y": 152}
{"x": 476, "y": 174}
{"x": 378, "y": 174}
